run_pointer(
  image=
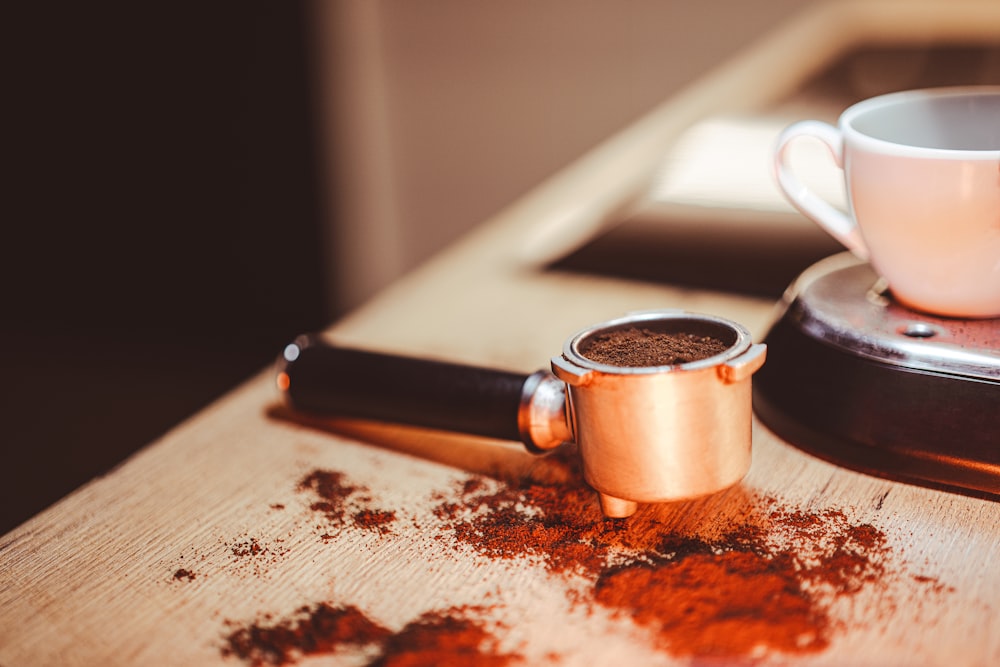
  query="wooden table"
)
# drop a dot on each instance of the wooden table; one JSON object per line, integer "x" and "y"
{"x": 242, "y": 521}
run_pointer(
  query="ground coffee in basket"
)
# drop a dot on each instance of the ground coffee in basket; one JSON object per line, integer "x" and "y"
{"x": 641, "y": 347}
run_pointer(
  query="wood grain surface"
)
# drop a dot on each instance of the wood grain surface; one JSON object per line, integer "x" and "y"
{"x": 216, "y": 529}
{"x": 94, "y": 580}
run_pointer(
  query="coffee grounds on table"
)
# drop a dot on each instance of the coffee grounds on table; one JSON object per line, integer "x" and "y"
{"x": 321, "y": 629}
{"x": 768, "y": 583}
{"x": 766, "y": 580}
{"x": 450, "y": 637}
{"x": 445, "y": 639}
{"x": 337, "y": 500}
{"x": 640, "y": 347}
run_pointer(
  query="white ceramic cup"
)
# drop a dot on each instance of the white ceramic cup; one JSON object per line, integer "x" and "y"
{"x": 922, "y": 170}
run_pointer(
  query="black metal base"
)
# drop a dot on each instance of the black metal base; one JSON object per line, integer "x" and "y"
{"x": 863, "y": 383}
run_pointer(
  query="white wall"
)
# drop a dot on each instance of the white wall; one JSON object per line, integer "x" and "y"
{"x": 441, "y": 112}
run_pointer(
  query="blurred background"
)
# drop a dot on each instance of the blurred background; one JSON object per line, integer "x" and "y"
{"x": 190, "y": 185}
{"x": 161, "y": 224}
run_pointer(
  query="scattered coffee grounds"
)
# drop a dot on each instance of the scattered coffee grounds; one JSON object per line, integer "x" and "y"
{"x": 250, "y": 547}
{"x": 443, "y": 639}
{"x": 768, "y": 585}
{"x": 564, "y": 538}
{"x": 720, "y": 605}
{"x": 448, "y": 639}
{"x": 332, "y": 490}
{"x": 936, "y": 586}
{"x": 319, "y": 629}
{"x": 251, "y": 557}
{"x": 640, "y": 347}
{"x": 184, "y": 575}
{"x": 334, "y": 498}
{"x": 375, "y": 519}
{"x": 772, "y": 581}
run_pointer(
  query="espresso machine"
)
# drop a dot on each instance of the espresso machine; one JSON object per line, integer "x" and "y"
{"x": 859, "y": 380}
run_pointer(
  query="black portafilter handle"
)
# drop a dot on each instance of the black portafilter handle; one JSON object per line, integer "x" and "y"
{"x": 321, "y": 379}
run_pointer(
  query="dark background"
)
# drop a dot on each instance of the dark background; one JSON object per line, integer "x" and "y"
{"x": 161, "y": 225}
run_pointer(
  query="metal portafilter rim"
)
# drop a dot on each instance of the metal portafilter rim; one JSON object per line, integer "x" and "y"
{"x": 736, "y": 337}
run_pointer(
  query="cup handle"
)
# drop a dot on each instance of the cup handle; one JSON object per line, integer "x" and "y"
{"x": 840, "y": 226}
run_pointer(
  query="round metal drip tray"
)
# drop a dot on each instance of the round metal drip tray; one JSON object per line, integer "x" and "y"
{"x": 863, "y": 382}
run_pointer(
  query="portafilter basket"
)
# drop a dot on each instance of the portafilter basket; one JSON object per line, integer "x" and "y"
{"x": 646, "y": 434}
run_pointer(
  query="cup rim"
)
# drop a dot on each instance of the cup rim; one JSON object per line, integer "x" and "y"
{"x": 856, "y": 110}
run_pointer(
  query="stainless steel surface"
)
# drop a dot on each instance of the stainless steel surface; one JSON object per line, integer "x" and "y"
{"x": 542, "y": 418}
{"x": 662, "y": 433}
{"x": 858, "y": 380}
{"x": 840, "y": 301}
